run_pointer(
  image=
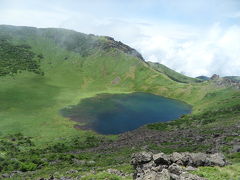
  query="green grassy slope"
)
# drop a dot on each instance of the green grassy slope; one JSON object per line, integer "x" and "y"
{"x": 30, "y": 103}
{"x": 75, "y": 66}
{"x": 204, "y": 78}
{"x": 173, "y": 74}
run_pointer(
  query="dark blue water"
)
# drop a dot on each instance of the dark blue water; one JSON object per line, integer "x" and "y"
{"x": 118, "y": 113}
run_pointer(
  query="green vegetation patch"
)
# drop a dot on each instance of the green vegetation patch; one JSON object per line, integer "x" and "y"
{"x": 17, "y": 58}
{"x": 220, "y": 173}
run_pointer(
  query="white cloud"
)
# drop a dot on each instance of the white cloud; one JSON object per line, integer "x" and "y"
{"x": 186, "y": 49}
{"x": 212, "y": 50}
{"x": 31, "y": 18}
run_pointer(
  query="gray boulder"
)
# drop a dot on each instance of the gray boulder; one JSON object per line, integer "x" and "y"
{"x": 176, "y": 158}
{"x": 236, "y": 148}
{"x": 162, "y": 159}
{"x": 185, "y": 159}
{"x": 161, "y": 166}
{"x": 175, "y": 169}
{"x": 216, "y": 159}
{"x": 163, "y": 175}
{"x": 174, "y": 176}
{"x": 197, "y": 159}
{"x": 141, "y": 158}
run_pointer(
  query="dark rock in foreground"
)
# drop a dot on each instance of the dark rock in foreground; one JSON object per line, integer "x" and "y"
{"x": 149, "y": 166}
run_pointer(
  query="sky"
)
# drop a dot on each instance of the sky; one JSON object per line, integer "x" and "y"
{"x": 193, "y": 37}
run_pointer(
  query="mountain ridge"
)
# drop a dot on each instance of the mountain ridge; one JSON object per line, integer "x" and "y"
{"x": 172, "y": 74}
{"x": 71, "y": 39}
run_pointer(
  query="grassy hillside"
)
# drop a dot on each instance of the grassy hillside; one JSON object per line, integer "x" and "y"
{"x": 204, "y": 78}
{"x": 60, "y": 68}
{"x": 75, "y": 66}
{"x": 178, "y": 77}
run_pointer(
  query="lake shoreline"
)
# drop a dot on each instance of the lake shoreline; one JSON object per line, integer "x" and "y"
{"x": 110, "y": 114}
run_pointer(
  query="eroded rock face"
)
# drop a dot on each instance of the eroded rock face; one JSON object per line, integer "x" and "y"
{"x": 176, "y": 166}
{"x": 215, "y": 76}
{"x": 225, "y": 81}
{"x": 111, "y": 43}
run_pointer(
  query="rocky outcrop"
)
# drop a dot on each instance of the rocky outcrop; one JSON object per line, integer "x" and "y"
{"x": 117, "y": 80}
{"x": 176, "y": 166}
{"x": 215, "y": 77}
{"x": 175, "y": 139}
{"x": 111, "y": 43}
{"x": 225, "y": 81}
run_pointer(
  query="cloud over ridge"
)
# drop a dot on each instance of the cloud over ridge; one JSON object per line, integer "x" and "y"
{"x": 200, "y": 38}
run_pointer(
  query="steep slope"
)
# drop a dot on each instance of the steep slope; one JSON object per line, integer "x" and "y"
{"x": 173, "y": 74}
